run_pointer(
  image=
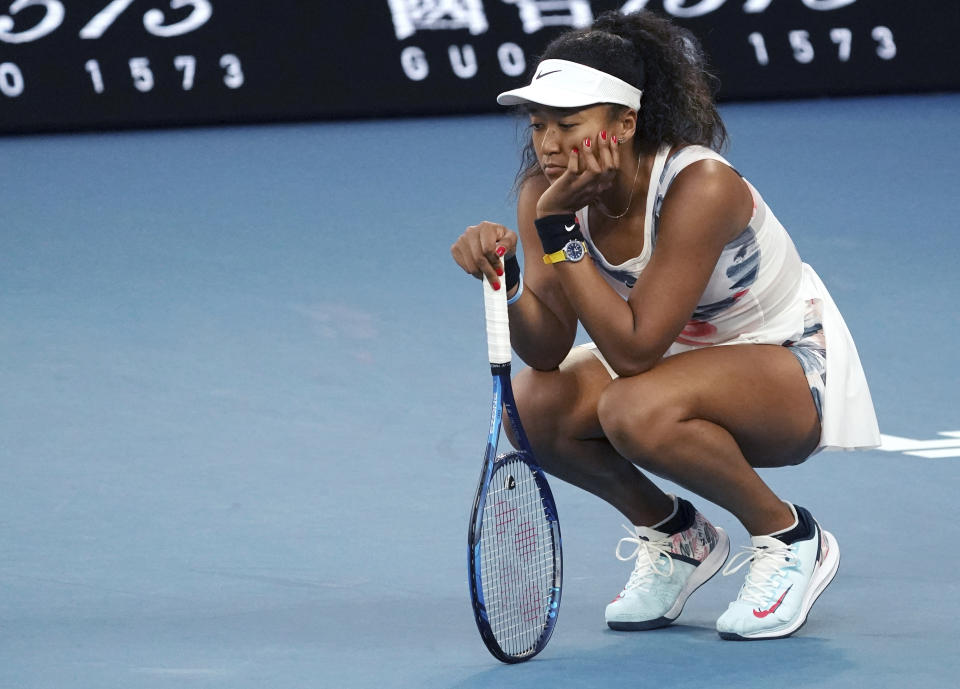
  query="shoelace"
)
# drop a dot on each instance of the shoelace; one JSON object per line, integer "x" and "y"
{"x": 766, "y": 571}
{"x": 648, "y": 557}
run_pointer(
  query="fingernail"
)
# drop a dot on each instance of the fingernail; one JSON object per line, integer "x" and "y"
{"x": 496, "y": 285}
{"x": 501, "y": 250}
{"x": 614, "y": 138}
{"x": 500, "y": 271}
{"x": 576, "y": 150}
{"x": 586, "y": 142}
{"x": 603, "y": 135}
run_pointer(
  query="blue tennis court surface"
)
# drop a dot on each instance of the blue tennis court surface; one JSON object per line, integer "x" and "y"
{"x": 246, "y": 397}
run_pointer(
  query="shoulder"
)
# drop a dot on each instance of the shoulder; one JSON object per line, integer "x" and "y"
{"x": 709, "y": 176}
{"x": 709, "y": 179}
{"x": 696, "y": 161}
{"x": 709, "y": 191}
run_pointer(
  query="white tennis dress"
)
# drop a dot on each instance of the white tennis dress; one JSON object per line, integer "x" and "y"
{"x": 760, "y": 293}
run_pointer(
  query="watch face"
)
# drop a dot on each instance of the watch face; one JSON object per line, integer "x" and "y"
{"x": 573, "y": 250}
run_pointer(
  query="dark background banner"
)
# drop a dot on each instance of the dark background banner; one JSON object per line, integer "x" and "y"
{"x": 116, "y": 63}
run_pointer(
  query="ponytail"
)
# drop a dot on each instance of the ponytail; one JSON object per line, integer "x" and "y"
{"x": 662, "y": 59}
{"x": 678, "y": 101}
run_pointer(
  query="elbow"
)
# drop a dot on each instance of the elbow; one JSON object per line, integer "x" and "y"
{"x": 633, "y": 367}
{"x": 634, "y": 362}
{"x": 540, "y": 367}
{"x": 633, "y": 352}
{"x": 545, "y": 353}
{"x": 543, "y": 361}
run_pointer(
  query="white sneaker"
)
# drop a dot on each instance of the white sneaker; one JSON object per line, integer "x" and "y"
{"x": 668, "y": 568}
{"x": 782, "y": 584}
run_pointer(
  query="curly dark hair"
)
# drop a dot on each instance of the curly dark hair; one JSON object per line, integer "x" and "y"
{"x": 664, "y": 60}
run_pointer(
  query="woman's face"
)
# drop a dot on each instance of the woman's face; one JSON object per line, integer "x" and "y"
{"x": 556, "y": 132}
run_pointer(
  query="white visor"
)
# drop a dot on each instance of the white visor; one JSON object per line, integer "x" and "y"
{"x": 565, "y": 84}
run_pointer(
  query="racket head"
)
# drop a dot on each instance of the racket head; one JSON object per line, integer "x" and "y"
{"x": 515, "y": 558}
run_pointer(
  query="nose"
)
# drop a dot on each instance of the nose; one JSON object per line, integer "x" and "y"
{"x": 551, "y": 141}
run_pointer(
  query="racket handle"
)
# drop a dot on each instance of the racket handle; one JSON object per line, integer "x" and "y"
{"x": 498, "y": 325}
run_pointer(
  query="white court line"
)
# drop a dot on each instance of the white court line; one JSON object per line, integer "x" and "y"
{"x": 936, "y": 454}
{"x": 931, "y": 449}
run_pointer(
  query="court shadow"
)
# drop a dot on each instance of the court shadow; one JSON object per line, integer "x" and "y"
{"x": 679, "y": 656}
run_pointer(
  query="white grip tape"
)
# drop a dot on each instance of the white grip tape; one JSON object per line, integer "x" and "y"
{"x": 498, "y": 325}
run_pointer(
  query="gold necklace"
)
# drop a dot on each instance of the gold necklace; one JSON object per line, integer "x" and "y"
{"x": 633, "y": 189}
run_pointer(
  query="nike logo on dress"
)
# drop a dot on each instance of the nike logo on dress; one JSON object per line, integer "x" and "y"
{"x": 763, "y": 613}
{"x": 571, "y": 228}
{"x": 543, "y": 74}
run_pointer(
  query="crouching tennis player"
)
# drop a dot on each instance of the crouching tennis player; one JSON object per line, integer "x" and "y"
{"x": 715, "y": 349}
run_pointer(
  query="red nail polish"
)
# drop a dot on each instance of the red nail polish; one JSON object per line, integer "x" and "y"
{"x": 576, "y": 150}
{"x": 500, "y": 271}
{"x": 501, "y": 250}
{"x": 586, "y": 142}
{"x": 603, "y": 135}
{"x": 496, "y": 285}
{"x": 614, "y": 138}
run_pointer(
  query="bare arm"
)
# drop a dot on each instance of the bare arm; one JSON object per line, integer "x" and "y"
{"x": 707, "y": 206}
{"x": 543, "y": 325}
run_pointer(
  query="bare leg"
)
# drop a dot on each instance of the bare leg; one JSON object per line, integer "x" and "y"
{"x": 702, "y": 419}
{"x": 559, "y": 413}
{"x": 705, "y": 418}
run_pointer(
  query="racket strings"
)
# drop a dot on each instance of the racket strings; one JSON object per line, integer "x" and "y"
{"x": 517, "y": 567}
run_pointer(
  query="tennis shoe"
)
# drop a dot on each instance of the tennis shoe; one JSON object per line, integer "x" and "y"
{"x": 782, "y": 584}
{"x": 668, "y": 568}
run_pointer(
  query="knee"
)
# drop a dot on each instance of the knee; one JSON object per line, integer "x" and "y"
{"x": 640, "y": 422}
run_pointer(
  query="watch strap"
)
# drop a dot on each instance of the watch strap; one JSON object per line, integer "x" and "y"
{"x": 561, "y": 255}
{"x": 555, "y": 257}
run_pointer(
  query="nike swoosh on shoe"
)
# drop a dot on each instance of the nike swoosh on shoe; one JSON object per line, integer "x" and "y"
{"x": 763, "y": 613}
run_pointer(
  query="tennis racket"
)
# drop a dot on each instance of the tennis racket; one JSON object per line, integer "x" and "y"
{"x": 515, "y": 558}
